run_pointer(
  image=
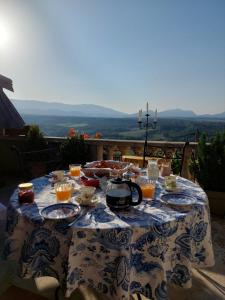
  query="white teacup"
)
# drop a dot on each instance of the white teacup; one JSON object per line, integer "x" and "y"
{"x": 86, "y": 196}
{"x": 58, "y": 175}
{"x": 88, "y": 191}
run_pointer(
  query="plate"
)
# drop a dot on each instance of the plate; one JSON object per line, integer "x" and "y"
{"x": 178, "y": 199}
{"x": 61, "y": 211}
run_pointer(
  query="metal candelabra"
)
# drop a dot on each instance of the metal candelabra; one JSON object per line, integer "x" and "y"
{"x": 147, "y": 125}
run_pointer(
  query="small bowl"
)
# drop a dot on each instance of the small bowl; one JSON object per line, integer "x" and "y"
{"x": 90, "y": 182}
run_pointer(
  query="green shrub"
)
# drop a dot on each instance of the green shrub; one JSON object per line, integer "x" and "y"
{"x": 35, "y": 139}
{"x": 176, "y": 165}
{"x": 208, "y": 167}
{"x": 74, "y": 150}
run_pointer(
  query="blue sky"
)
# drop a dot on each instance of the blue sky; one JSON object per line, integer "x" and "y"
{"x": 116, "y": 53}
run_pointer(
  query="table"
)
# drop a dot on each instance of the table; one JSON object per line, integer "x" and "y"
{"x": 118, "y": 254}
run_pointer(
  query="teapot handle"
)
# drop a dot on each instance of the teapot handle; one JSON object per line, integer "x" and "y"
{"x": 137, "y": 187}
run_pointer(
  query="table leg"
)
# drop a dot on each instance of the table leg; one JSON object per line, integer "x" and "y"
{"x": 138, "y": 296}
{"x": 57, "y": 292}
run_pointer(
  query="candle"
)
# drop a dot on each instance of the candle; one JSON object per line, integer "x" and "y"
{"x": 155, "y": 116}
{"x": 147, "y": 108}
{"x": 140, "y": 115}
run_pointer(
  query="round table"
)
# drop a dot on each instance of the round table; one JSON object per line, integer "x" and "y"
{"x": 117, "y": 253}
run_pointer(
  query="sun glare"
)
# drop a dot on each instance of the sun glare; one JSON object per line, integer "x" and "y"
{"x": 4, "y": 36}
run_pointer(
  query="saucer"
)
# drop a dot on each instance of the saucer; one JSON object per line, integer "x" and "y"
{"x": 93, "y": 201}
{"x": 174, "y": 190}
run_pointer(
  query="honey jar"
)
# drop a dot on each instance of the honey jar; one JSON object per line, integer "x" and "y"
{"x": 26, "y": 193}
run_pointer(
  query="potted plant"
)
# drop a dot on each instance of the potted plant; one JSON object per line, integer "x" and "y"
{"x": 208, "y": 167}
{"x": 73, "y": 149}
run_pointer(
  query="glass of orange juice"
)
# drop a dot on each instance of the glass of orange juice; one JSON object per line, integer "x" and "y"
{"x": 148, "y": 190}
{"x": 63, "y": 191}
{"x": 75, "y": 170}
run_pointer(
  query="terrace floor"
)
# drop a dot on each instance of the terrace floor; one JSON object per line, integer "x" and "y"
{"x": 208, "y": 284}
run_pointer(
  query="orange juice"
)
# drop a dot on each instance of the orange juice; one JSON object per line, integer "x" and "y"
{"x": 148, "y": 190}
{"x": 75, "y": 171}
{"x": 63, "y": 192}
{"x": 63, "y": 195}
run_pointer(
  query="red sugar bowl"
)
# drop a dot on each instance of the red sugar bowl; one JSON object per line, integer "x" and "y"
{"x": 89, "y": 181}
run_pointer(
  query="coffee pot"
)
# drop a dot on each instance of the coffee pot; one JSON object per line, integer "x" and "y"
{"x": 120, "y": 192}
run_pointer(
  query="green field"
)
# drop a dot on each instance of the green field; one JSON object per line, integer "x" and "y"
{"x": 127, "y": 128}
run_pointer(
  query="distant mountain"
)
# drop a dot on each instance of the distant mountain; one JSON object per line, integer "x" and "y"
{"x": 34, "y": 107}
{"x": 172, "y": 113}
{"x": 217, "y": 116}
{"x": 178, "y": 113}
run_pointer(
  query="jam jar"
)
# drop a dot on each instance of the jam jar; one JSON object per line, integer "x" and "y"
{"x": 26, "y": 193}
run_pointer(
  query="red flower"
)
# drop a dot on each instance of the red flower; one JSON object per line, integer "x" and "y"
{"x": 71, "y": 132}
{"x": 98, "y": 135}
{"x": 86, "y": 136}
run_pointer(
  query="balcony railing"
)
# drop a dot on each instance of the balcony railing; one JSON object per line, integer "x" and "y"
{"x": 99, "y": 149}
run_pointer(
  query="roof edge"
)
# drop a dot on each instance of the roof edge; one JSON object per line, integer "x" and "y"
{"x": 6, "y": 83}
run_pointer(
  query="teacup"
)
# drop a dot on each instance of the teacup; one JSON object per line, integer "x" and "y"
{"x": 58, "y": 175}
{"x": 88, "y": 191}
{"x": 86, "y": 196}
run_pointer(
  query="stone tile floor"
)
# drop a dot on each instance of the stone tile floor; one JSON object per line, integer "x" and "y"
{"x": 208, "y": 284}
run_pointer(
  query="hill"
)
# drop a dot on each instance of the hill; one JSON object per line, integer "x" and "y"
{"x": 32, "y": 107}
{"x": 60, "y": 109}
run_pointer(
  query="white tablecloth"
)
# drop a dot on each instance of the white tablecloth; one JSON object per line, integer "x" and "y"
{"x": 138, "y": 250}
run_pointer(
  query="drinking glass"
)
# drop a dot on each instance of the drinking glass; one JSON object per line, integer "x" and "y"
{"x": 152, "y": 170}
{"x": 63, "y": 191}
{"x": 75, "y": 170}
{"x": 148, "y": 190}
{"x": 170, "y": 182}
{"x": 165, "y": 169}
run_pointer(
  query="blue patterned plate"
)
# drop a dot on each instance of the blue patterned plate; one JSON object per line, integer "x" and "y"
{"x": 61, "y": 211}
{"x": 178, "y": 199}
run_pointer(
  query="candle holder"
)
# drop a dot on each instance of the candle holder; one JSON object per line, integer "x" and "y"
{"x": 147, "y": 125}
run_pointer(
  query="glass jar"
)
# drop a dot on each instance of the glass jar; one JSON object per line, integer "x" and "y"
{"x": 152, "y": 170}
{"x": 165, "y": 169}
{"x": 26, "y": 193}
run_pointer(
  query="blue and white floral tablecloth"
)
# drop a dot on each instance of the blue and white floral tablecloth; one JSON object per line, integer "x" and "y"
{"x": 118, "y": 254}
